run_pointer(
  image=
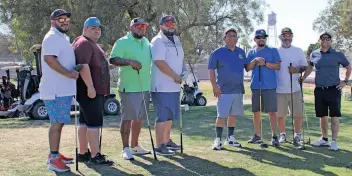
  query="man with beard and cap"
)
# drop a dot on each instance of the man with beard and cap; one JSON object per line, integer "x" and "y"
{"x": 328, "y": 87}
{"x": 229, "y": 62}
{"x": 92, "y": 86}
{"x": 132, "y": 54}
{"x": 168, "y": 71}
{"x": 58, "y": 84}
{"x": 268, "y": 60}
{"x": 289, "y": 54}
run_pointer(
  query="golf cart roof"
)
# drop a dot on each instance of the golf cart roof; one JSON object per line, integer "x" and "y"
{"x": 36, "y": 47}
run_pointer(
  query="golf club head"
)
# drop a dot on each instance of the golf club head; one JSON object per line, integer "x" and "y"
{"x": 301, "y": 147}
{"x": 263, "y": 145}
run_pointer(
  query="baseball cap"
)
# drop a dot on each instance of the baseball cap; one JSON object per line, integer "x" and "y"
{"x": 286, "y": 30}
{"x": 59, "y": 12}
{"x": 261, "y": 32}
{"x": 325, "y": 33}
{"x": 138, "y": 20}
{"x": 231, "y": 29}
{"x": 92, "y": 22}
{"x": 167, "y": 18}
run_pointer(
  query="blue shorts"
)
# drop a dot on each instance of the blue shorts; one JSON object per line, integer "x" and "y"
{"x": 166, "y": 105}
{"x": 230, "y": 104}
{"x": 59, "y": 109}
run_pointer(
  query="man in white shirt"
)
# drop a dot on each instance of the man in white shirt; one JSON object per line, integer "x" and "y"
{"x": 58, "y": 83}
{"x": 289, "y": 54}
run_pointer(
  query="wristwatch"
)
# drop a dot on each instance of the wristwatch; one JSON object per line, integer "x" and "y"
{"x": 346, "y": 81}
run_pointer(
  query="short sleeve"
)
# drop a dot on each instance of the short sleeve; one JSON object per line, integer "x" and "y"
{"x": 118, "y": 50}
{"x": 158, "y": 50}
{"x": 50, "y": 46}
{"x": 212, "y": 64}
{"x": 343, "y": 60}
{"x": 83, "y": 52}
{"x": 243, "y": 55}
{"x": 276, "y": 55}
{"x": 250, "y": 55}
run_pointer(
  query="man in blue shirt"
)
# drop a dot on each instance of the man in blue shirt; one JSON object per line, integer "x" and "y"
{"x": 268, "y": 60}
{"x": 327, "y": 93}
{"x": 229, "y": 62}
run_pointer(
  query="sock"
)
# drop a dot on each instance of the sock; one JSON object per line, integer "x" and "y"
{"x": 219, "y": 132}
{"x": 230, "y": 131}
{"x": 325, "y": 139}
{"x": 53, "y": 155}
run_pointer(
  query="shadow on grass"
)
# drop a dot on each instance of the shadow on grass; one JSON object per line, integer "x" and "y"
{"x": 188, "y": 165}
{"x": 108, "y": 170}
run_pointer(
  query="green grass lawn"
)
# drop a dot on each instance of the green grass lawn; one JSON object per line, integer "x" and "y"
{"x": 24, "y": 148}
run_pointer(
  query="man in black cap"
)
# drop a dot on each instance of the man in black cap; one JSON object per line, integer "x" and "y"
{"x": 327, "y": 93}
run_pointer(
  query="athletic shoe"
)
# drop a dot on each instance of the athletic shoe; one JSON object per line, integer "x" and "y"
{"x": 172, "y": 146}
{"x": 275, "y": 142}
{"x": 139, "y": 150}
{"x": 255, "y": 139}
{"x": 298, "y": 137}
{"x": 126, "y": 154}
{"x": 100, "y": 159}
{"x": 282, "y": 138}
{"x": 163, "y": 150}
{"x": 349, "y": 98}
{"x": 217, "y": 144}
{"x": 334, "y": 146}
{"x": 84, "y": 157}
{"x": 58, "y": 165}
{"x": 231, "y": 141}
{"x": 64, "y": 159}
{"x": 321, "y": 143}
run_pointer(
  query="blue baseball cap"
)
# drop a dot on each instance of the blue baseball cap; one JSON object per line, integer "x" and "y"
{"x": 261, "y": 32}
{"x": 167, "y": 18}
{"x": 59, "y": 12}
{"x": 92, "y": 22}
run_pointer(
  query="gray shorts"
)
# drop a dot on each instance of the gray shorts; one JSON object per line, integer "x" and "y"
{"x": 132, "y": 105}
{"x": 269, "y": 100}
{"x": 230, "y": 104}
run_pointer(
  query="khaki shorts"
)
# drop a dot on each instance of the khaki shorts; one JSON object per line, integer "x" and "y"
{"x": 284, "y": 104}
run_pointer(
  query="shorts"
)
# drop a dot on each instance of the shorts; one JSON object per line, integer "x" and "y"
{"x": 91, "y": 110}
{"x": 284, "y": 104}
{"x": 132, "y": 105}
{"x": 269, "y": 100}
{"x": 230, "y": 104}
{"x": 327, "y": 101}
{"x": 166, "y": 105}
{"x": 59, "y": 109}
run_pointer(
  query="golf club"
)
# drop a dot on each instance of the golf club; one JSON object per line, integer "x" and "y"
{"x": 305, "y": 113}
{"x": 302, "y": 147}
{"x": 262, "y": 144}
{"x": 146, "y": 113}
{"x": 294, "y": 142}
{"x": 181, "y": 129}
{"x": 77, "y": 68}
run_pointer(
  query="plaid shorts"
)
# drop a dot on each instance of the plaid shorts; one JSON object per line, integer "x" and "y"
{"x": 59, "y": 109}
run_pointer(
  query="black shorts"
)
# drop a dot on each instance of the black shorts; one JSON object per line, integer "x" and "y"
{"x": 91, "y": 110}
{"x": 327, "y": 101}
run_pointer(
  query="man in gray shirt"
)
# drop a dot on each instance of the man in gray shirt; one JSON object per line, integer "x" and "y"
{"x": 327, "y": 92}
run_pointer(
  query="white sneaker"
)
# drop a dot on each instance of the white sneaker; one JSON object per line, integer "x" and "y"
{"x": 334, "y": 146}
{"x": 217, "y": 144}
{"x": 126, "y": 154}
{"x": 321, "y": 143}
{"x": 282, "y": 138}
{"x": 138, "y": 150}
{"x": 298, "y": 137}
{"x": 231, "y": 141}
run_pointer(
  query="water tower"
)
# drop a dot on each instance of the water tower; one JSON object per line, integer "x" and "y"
{"x": 272, "y": 31}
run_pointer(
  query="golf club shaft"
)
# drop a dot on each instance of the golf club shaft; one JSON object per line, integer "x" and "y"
{"x": 146, "y": 113}
{"x": 293, "y": 127}
{"x": 101, "y": 136}
{"x": 305, "y": 113}
{"x": 76, "y": 133}
{"x": 260, "y": 105}
{"x": 181, "y": 129}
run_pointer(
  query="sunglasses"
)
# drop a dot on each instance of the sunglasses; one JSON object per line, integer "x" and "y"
{"x": 141, "y": 27}
{"x": 325, "y": 39}
{"x": 62, "y": 20}
{"x": 170, "y": 24}
{"x": 260, "y": 37}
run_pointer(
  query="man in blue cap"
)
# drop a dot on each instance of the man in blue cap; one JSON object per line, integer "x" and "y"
{"x": 92, "y": 85}
{"x": 268, "y": 60}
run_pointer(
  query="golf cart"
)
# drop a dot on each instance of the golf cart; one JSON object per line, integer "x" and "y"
{"x": 192, "y": 95}
{"x": 30, "y": 103}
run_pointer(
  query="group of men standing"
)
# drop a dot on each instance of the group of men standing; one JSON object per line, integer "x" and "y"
{"x": 157, "y": 67}
{"x": 272, "y": 86}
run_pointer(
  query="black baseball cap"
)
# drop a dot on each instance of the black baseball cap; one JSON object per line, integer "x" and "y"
{"x": 286, "y": 30}
{"x": 167, "y": 18}
{"x": 325, "y": 33}
{"x": 59, "y": 12}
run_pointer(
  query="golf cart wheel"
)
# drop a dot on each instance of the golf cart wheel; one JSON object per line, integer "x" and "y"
{"x": 111, "y": 106}
{"x": 201, "y": 101}
{"x": 39, "y": 111}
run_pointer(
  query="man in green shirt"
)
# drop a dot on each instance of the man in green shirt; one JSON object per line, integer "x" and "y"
{"x": 132, "y": 54}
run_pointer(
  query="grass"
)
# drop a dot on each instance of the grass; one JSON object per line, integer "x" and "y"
{"x": 24, "y": 148}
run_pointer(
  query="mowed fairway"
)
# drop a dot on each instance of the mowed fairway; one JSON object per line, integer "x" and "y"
{"x": 24, "y": 147}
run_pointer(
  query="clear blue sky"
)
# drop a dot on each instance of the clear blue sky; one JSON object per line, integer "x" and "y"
{"x": 298, "y": 15}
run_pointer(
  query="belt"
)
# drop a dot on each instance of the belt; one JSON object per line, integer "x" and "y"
{"x": 327, "y": 87}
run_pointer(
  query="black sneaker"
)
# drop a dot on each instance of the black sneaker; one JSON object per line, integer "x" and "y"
{"x": 275, "y": 142}
{"x": 255, "y": 139}
{"x": 163, "y": 150}
{"x": 100, "y": 159}
{"x": 84, "y": 157}
{"x": 172, "y": 146}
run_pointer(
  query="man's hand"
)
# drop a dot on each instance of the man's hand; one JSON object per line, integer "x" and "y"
{"x": 259, "y": 61}
{"x": 216, "y": 91}
{"x": 293, "y": 70}
{"x": 178, "y": 80}
{"x": 135, "y": 64}
{"x": 341, "y": 85}
{"x": 301, "y": 79}
{"x": 91, "y": 92}
{"x": 73, "y": 74}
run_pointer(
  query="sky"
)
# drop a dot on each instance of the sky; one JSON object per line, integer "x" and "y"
{"x": 298, "y": 15}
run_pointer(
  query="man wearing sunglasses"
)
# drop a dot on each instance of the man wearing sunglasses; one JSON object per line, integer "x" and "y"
{"x": 289, "y": 54}
{"x": 58, "y": 84}
{"x": 327, "y": 93}
{"x": 168, "y": 71}
{"x": 132, "y": 54}
{"x": 268, "y": 59}
{"x": 92, "y": 85}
